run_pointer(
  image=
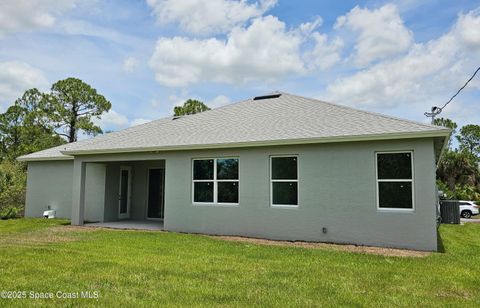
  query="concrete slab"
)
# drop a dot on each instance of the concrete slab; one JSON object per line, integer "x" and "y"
{"x": 150, "y": 225}
{"x": 471, "y": 220}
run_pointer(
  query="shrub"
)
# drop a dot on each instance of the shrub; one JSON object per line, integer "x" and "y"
{"x": 12, "y": 189}
{"x": 10, "y": 212}
{"x": 460, "y": 192}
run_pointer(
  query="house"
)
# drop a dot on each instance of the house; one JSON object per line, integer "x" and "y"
{"x": 278, "y": 166}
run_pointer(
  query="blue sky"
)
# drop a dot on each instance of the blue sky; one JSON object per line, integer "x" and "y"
{"x": 398, "y": 58}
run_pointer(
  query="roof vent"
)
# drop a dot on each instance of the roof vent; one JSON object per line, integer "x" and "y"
{"x": 176, "y": 117}
{"x": 257, "y": 98}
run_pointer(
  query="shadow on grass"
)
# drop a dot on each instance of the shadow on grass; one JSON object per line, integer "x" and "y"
{"x": 440, "y": 246}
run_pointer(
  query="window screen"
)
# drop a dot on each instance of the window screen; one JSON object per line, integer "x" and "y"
{"x": 395, "y": 180}
{"x": 284, "y": 181}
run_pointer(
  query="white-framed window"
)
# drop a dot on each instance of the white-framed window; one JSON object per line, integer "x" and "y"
{"x": 284, "y": 181}
{"x": 395, "y": 184}
{"x": 215, "y": 181}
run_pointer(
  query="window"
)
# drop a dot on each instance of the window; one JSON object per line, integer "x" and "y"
{"x": 215, "y": 181}
{"x": 395, "y": 180}
{"x": 284, "y": 181}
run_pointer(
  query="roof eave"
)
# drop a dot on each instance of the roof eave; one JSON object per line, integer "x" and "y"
{"x": 372, "y": 137}
{"x": 444, "y": 147}
{"x": 50, "y": 158}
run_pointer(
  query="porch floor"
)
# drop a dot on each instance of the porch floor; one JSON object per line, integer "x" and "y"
{"x": 151, "y": 225}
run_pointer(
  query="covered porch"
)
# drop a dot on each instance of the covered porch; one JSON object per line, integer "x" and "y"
{"x": 123, "y": 194}
{"x": 129, "y": 225}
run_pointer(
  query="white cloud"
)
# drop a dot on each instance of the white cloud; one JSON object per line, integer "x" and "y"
{"x": 139, "y": 121}
{"x": 27, "y": 15}
{"x": 15, "y": 78}
{"x": 265, "y": 51}
{"x": 381, "y": 33}
{"x": 112, "y": 118}
{"x": 325, "y": 53}
{"x": 468, "y": 28}
{"x": 430, "y": 72}
{"x": 130, "y": 64}
{"x": 77, "y": 27}
{"x": 208, "y": 17}
{"x": 309, "y": 27}
{"x": 219, "y": 101}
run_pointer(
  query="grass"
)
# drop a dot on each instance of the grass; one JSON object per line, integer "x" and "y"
{"x": 170, "y": 269}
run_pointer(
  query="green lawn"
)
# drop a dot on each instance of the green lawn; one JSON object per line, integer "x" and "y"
{"x": 133, "y": 267}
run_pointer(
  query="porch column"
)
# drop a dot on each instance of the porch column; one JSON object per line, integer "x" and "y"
{"x": 78, "y": 192}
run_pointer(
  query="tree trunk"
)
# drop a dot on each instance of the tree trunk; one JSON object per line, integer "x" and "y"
{"x": 72, "y": 134}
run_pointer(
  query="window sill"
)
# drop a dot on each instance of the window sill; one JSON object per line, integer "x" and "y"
{"x": 394, "y": 210}
{"x": 216, "y": 204}
{"x": 284, "y": 206}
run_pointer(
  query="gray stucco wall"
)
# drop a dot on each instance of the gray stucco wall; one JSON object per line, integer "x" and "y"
{"x": 50, "y": 183}
{"x": 94, "y": 192}
{"x": 337, "y": 190}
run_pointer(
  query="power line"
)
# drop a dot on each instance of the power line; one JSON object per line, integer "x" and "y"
{"x": 437, "y": 110}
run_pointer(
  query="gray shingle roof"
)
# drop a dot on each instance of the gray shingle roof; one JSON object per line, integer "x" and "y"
{"x": 48, "y": 154}
{"x": 283, "y": 120}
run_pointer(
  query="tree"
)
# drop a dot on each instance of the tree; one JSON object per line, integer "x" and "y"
{"x": 445, "y": 122}
{"x": 25, "y": 127}
{"x": 448, "y": 124}
{"x": 469, "y": 139}
{"x": 191, "y": 106}
{"x": 71, "y": 105}
{"x": 458, "y": 167}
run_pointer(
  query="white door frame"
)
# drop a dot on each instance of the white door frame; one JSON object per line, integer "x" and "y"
{"x": 129, "y": 192}
{"x": 163, "y": 193}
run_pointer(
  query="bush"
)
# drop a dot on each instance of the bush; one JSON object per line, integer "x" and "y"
{"x": 460, "y": 192}
{"x": 10, "y": 212}
{"x": 12, "y": 189}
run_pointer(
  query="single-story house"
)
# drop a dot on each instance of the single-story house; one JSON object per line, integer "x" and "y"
{"x": 278, "y": 166}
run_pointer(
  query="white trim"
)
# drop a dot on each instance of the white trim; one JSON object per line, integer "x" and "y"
{"x": 287, "y": 206}
{"x": 148, "y": 190}
{"x": 50, "y": 158}
{"x": 412, "y": 181}
{"x": 369, "y": 137}
{"x": 215, "y": 182}
{"x": 442, "y": 150}
{"x": 129, "y": 192}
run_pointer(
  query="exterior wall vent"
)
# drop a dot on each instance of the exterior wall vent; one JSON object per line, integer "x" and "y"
{"x": 257, "y": 98}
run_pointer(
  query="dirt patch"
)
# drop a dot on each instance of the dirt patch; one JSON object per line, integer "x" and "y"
{"x": 390, "y": 252}
{"x": 66, "y": 228}
{"x": 125, "y": 229}
{"x": 55, "y": 234}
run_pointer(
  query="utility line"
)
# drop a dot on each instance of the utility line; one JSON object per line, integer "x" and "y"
{"x": 437, "y": 110}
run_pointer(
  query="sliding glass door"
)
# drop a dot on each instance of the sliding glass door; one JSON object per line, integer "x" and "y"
{"x": 156, "y": 187}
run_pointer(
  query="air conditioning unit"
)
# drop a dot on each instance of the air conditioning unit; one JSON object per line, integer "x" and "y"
{"x": 49, "y": 213}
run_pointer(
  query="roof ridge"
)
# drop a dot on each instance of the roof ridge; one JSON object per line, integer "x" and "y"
{"x": 366, "y": 111}
{"x": 187, "y": 115}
